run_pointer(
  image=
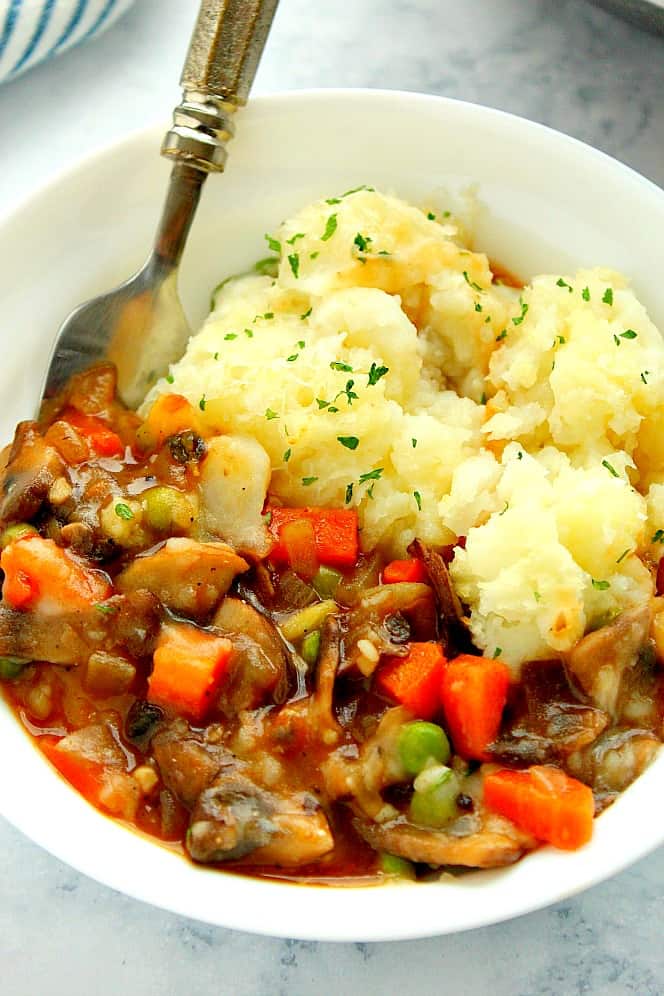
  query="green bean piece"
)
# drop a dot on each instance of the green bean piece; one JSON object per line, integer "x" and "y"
{"x": 434, "y": 801}
{"x": 166, "y": 509}
{"x": 395, "y": 867}
{"x": 421, "y": 745}
{"x": 326, "y": 581}
{"x": 311, "y": 647}
{"x": 11, "y": 667}
{"x": 16, "y": 532}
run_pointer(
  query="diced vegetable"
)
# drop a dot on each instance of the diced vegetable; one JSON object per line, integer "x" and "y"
{"x": 298, "y": 624}
{"x": 311, "y": 647}
{"x": 474, "y": 693}
{"x": 433, "y": 803}
{"x": 299, "y": 542}
{"x": 16, "y": 532}
{"x": 40, "y": 575}
{"x": 545, "y": 802}
{"x": 414, "y": 680}
{"x": 405, "y": 570}
{"x": 108, "y": 674}
{"x": 326, "y": 581}
{"x": 85, "y": 775}
{"x": 396, "y": 867}
{"x": 100, "y": 438}
{"x": 11, "y": 667}
{"x": 335, "y": 532}
{"x": 170, "y": 414}
{"x": 167, "y": 509}
{"x": 421, "y": 745}
{"x": 189, "y": 668}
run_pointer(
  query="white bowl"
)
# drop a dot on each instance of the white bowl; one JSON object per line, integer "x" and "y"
{"x": 550, "y": 204}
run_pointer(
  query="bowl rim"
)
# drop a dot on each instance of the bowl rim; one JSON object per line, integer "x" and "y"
{"x": 261, "y": 893}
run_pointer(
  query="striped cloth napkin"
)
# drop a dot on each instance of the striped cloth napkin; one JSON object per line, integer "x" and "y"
{"x": 33, "y": 30}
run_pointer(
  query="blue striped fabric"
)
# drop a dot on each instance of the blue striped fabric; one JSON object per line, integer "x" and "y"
{"x": 34, "y": 30}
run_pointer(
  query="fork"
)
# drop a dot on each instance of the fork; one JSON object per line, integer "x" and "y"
{"x": 140, "y": 325}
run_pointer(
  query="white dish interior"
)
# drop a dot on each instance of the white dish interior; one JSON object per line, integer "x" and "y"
{"x": 549, "y": 203}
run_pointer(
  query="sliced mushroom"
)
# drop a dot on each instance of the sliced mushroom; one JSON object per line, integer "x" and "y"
{"x": 185, "y": 575}
{"x": 235, "y": 475}
{"x": 32, "y": 468}
{"x": 187, "y": 763}
{"x": 259, "y": 667}
{"x": 453, "y": 628}
{"x": 615, "y": 760}
{"x": 600, "y": 661}
{"x": 234, "y": 819}
{"x": 495, "y": 843}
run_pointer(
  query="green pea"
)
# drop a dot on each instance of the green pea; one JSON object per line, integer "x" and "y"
{"x": 15, "y": 532}
{"x": 166, "y": 509}
{"x": 433, "y": 803}
{"x": 421, "y": 745}
{"x": 395, "y": 867}
{"x": 311, "y": 647}
{"x": 326, "y": 581}
{"x": 11, "y": 667}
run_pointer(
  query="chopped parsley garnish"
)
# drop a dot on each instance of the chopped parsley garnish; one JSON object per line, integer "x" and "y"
{"x": 330, "y": 228}
{"x": 267, "y": 315}
{"x": 561, "y": 339}
{"x": 269, "y": 414}
{"x": 370, "y": 491}
{"x": 273, "y": 243}
{"x": 471, "y": 283}
{"x": 413, "y": 442}
{"x": 249, "y": 333}
{"x": 321, "y": 403}
{"x": 349, "y": 392}
{"x": 294, "y": 262}
{"x": 608, "y": 296}
{"x": 585, "y": 294}
{"x": 230, "y": 336}
{"x": 292, "y": 358}
{"x": 375, "y": 374}
{"x": 611, "y": 470}
{"x": 332, "y": 409}
{"x": 356, "y": 190}
{"x": 616, "y": 339}
{"x": 216, "y": 356}
{"x": 202, "y": 403}
{"x": 507, "y": 505}
{"x": 350, "y": 442}
{"x": 170, "y": 378}
{"x": 501, "y": 335}
{"x": 314, "y": 255}
{"x": 309, "y": 480}
{"x": 519, "y": 455}
{"x": 431, "y": 216}
{"x": 106, "y": 609}
{"x": 563, "y": 283}
{"x": 524, "y": 312}
{"x": 333, "y": 200}
{"x": 349, "y": 494}
{"x": 658, "y": 537}
{"x": 622, "y": 555}
{"x": 418, "y": 499}
{"x": 298, "y": 235}
{"x": 600, "y": 585}
{"x": 123, "y": 511}
{"x": 478, "y": 306}
{"x": 371, "y": 475}
{"x": 362, "y": 242}
{"x": 483, "y": 398}
{"x": 628, "y": 334}
{"x": 537, "y": 596}
{"x": 287, "y": 455}
{"x": 338, "y": 365}
{"x": 498, "y": 651}
{"x": 446, "y": 214}
{"x": 306, "y": 314}
{"x": 644, "y": 376}
{"x": 300, "y": 343}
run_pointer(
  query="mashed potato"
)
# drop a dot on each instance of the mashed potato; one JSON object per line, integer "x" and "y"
{"x": 384, "y": 368}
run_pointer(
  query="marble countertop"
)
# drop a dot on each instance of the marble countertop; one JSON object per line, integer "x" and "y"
{"x": 561, "y": 62}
